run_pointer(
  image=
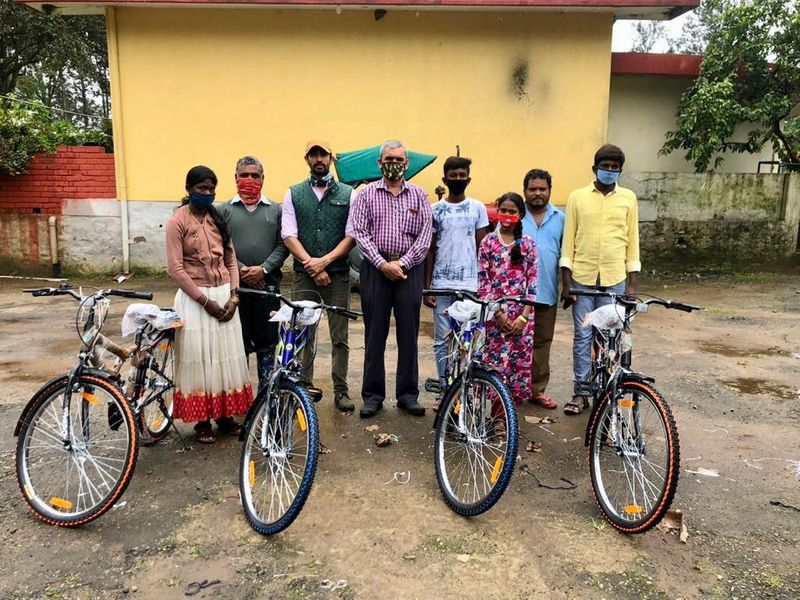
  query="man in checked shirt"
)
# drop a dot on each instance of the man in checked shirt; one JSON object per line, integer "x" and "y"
{"x": 392, "y": 226}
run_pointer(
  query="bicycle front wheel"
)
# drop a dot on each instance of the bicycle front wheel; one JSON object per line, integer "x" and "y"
{"x": 75, "y": 458}
{"x": 634, "y": 457}
{"x": 159, "y": 386}
{"x": 476, "y": 443}
{"x": 279, "y": 458}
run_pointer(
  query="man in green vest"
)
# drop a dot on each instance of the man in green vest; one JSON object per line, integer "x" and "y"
{"x": 317, "y": 231}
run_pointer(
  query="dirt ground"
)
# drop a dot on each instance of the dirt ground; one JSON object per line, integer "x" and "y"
{"x": 731, "y": 375}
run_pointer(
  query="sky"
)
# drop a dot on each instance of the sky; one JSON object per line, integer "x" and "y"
{"x": 624, "y": 34}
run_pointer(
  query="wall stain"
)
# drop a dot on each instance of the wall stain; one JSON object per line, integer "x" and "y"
{"x": 519, "y": 79}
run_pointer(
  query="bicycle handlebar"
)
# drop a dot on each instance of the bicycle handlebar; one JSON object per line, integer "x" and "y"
{"x": 339, "y": 310}
{"x": 462, "y": 294}
{"x": 633, "y": 303}
{"x": 68, "y": 291}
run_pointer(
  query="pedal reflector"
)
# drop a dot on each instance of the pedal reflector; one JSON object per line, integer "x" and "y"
{"x": 633, "y": 509}
{"x": 496, "y": 470}
{"x": 252, "y": 473}
{"x": 60, "y": 503}
{"x": 90, "y": 398}
{"x": 157, "y": 423}
{"x": 457, "y": 409}
{"x": 626, "y": 403}
{"x": 163, "y": 346}
{"x": 301, "y": 419}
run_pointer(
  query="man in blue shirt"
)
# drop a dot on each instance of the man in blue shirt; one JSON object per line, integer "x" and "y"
{"x": 545, "y": 224}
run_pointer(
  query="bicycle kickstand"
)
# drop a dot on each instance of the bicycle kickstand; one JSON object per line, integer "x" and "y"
{"x": 165, "y": 412}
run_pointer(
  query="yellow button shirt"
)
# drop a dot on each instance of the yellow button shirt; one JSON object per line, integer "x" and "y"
{"x": 601, "y": 235}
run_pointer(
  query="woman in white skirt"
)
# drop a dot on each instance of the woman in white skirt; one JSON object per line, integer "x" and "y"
{"x": 211, "y": 377}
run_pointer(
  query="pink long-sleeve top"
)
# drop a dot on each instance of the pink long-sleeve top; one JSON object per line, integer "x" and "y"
{"x": 195, "y": 256}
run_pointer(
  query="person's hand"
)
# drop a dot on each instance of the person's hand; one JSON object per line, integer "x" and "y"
{"x": 253, "y": 276}
{"x": 229, "y": 311}
{"x": 630, "y": 292}
{"x": 517, "y": 326}
{"x": 429, "y": 301}
{"x": 394, "y": 271}
{"x": 501, "y": 320}
{"x": 322, "y": 280}
{"x": 566, "y": 298}
{"x": 315, "y": 266}
{"x": 214, "y": 309}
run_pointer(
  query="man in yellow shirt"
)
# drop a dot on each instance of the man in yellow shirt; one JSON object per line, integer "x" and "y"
{"x": 599, "y": 251}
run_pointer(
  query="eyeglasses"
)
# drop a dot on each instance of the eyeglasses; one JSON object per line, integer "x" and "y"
{"x": 251, "y": 175}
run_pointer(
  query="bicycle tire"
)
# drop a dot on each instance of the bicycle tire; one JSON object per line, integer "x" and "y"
{"x": 153, "y": 425}
{"x": 298, "y": 413}
{"x": 116, "y": 416}
{"x": 635, "y": 513}
{"x": 504, "y": 459}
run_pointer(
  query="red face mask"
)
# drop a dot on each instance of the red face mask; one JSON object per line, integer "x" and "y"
{"x": 508, "y": 220}
{"x": 249, "y": 190}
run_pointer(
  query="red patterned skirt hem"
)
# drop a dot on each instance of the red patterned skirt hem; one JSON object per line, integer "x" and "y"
{"x": 202, "y": 407}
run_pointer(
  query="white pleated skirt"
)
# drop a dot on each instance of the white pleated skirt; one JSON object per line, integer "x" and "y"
{"x": 211, "y": 377}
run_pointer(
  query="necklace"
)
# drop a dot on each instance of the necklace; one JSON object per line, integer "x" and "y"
{"x": 502, "y": 241}
{"x": 201, "y": 219}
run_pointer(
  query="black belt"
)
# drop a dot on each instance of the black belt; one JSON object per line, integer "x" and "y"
{"x": 390, "y": 257}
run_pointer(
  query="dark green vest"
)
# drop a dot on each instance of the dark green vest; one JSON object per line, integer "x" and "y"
{"x": 321, "y": 223}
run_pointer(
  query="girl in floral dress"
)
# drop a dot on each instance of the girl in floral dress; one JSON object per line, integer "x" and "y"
{"x": 507, "y": 267}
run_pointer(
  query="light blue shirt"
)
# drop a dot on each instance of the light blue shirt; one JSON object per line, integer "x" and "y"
{"x": 548, "y": 247}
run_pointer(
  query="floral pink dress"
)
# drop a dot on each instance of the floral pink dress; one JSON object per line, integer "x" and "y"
{"x": 511, "y": 355}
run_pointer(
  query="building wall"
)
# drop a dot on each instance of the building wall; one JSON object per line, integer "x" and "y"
{"x": 642, "y": 109}
{"x": 70, "y": 172}
{"x": 205, "y": 86}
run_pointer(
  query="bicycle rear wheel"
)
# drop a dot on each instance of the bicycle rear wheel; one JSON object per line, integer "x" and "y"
{"x": 159, "y": 382}
{"x": 634, "y": 457}
{"x": 73, "y": 466}
{"x": 476, "y": 443}
{"x": 279, "y": 458}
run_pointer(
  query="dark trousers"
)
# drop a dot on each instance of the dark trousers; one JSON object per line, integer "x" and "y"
{"x": 379, "y": 298}
{"x": 260, "y": 335}
{"x": 544, "y": 324}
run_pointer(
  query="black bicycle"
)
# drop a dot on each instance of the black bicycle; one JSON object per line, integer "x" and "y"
{"x": 280, "y": 432}
{"x": 634, "y": 450}
{"x": 78, "y": 436}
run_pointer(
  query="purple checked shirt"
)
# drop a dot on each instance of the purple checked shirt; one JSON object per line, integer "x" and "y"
{"x": 388, "y": 224}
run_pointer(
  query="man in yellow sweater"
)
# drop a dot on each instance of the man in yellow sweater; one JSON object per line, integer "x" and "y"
{"x": 599, "y": 251}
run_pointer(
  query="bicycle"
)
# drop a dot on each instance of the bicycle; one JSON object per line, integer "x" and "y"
{"x": 281, "y": 432}
{"x": 634, "y": 450}
{"x": 77, "y": 442}
{"x": 476, "y": 426}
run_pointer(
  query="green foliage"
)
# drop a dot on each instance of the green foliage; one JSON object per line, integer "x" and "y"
{"x": 26, "y": 129}
{"x": 750, "y": 75}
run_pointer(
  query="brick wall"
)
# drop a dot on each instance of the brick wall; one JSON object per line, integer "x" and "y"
{"x": 73, "y": 172}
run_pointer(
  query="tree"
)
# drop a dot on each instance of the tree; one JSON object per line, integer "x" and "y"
{"x": 59, "y": 60}
{"x": 648, "y": 33}
{"x": 750, "y": 75}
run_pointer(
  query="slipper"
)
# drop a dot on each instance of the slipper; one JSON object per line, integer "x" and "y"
{"x": 228, "y": 426}
{"x": 576, "y": 406}
{"x": 203, "y": 433}
{"x": 543, "y": 400}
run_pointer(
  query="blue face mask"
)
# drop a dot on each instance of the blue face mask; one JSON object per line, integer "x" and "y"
{"x": 607, "y": 177}
{"x": 201, "y": 200}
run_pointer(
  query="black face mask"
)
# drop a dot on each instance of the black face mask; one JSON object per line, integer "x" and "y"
{"x": 457, "y": 186}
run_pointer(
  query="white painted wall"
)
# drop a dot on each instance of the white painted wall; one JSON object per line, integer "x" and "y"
{"x": 642, "y": 109}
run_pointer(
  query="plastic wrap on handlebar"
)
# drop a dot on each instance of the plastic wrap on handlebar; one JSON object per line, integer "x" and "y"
{"x": 132, "y": 294}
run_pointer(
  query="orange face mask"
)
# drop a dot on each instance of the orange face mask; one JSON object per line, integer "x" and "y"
{"x": 249, "y": 190}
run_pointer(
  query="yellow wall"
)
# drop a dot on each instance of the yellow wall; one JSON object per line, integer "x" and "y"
{"x": 204, "y": 86}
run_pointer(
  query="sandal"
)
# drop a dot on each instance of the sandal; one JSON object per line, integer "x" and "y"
{"x": 576, "y": 406}
{"x": 543, "y": 400}
{"x": 228, "y": 426}
{"x": 203, "y": 433}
